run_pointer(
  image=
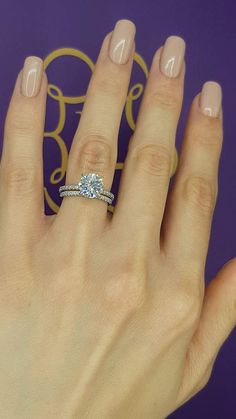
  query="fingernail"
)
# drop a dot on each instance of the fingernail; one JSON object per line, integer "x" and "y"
{"x": 210, "y": 98}
{"x": 172, "y": 56}
{"x": 31, "y": 76}
{"x": 122, "y": 41}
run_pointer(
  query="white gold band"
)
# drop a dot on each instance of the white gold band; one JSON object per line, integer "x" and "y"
{"x": 78, "y": 193}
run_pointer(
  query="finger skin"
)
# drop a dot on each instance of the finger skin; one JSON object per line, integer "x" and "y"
{"x": 217, "y": 320}
{"x": 94, "y": 147}
{"x": 21, "y": 169}
{"x": 191, "y": 203}
{"x": 148, "y": 164}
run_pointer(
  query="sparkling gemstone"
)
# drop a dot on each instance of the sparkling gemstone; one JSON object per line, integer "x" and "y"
{"x": 90, "y": 184}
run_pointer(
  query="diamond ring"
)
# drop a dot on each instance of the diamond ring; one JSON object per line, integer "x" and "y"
{"x": 89, "y": 186}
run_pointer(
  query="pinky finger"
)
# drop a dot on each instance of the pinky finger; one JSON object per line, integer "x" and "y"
{"x": 190, "y": 206}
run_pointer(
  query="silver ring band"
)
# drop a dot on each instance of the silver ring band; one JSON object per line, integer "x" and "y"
{"x": 78, "y": 193}
{"x": 90, "y": 185}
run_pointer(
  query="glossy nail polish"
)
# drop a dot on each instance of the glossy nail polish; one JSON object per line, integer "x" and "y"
{"x": 31, "y": 76}
{"x": 210, "y": 98}
{"x": 122, "y": 41}
{"x": 172, "y": 56}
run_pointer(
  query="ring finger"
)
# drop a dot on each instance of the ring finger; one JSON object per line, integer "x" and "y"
{"x": 94, "y": 147}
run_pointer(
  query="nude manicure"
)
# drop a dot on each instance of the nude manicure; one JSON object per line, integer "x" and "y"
{"x": 210, "y": 98}
{"x": 31, "y": 76}
{"x": 122, "y": 41}
{"x": 172, "y": 56}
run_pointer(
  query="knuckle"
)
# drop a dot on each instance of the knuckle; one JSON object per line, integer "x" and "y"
{"x": 22, "y": 124}
{"x": 164, "y": 96}
{"x": 96, "y": 153}
{"x": 108, "y": 84}
{"x": 186, "y": 306}
{"x": 201, "y": 192}
{"x": 127, "y": 291}
{"x": 155, "y": 159}
{"x": 209, "y": 136}
{"x": 19, "y": 179}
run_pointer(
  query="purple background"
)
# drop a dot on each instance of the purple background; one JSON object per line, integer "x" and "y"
{"x": 38, "y": 28}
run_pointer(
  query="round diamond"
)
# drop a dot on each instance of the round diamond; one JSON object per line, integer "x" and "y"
{"x": 90, "y": 185}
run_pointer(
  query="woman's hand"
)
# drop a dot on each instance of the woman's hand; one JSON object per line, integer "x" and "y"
{"x": 106, "y": 317}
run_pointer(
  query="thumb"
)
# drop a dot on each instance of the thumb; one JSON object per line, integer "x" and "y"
{"x": 217, "y": 320}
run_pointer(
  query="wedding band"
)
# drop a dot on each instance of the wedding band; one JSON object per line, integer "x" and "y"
{"x": 90, "y": 185}
{"x": 78, "y": 193}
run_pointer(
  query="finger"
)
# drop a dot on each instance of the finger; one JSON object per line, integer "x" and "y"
{"x": 147, "y": 168}
{"x": 94, "y": 148}
{"x": 21, "y": 169}
{"x": 190, "y": 206}
{"x": 217, "y": 320}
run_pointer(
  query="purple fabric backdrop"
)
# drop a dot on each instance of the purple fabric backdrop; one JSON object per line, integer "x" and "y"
{"x": 44, "y": 28}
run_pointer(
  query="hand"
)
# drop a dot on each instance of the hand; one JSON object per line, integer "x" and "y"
{"x": 106, "y": 317}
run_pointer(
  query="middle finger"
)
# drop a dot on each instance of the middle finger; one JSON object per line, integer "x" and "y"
{"x": 149, "y": 161}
